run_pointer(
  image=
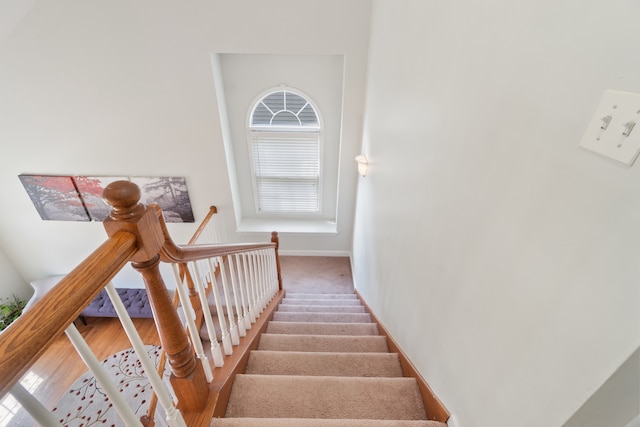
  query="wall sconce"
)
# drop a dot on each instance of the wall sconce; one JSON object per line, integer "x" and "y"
{"x": 363, "y": 164}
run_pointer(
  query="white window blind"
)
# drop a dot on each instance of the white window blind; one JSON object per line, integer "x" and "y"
{"x": 284, "y": 131}
{"x": 287, "y": 171}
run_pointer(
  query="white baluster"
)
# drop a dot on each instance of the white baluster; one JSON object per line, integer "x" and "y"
{"x": 189, "y": 315}
{"x": 263, "y": 271}
{"x": 267, "y": 275}
{"x": 260, "y": 280}
{"x": 273, "y": 271}
{"x": 92, "y": 362}
{"x": 253, "y": 258}
{"x": 242, "y": 282}
{"x": 216, "y": 351}
{"x": 264, "y": 296}
{"x": 173, "y": 415}
{"x": 255, "y": 288}
{"x": 34, "y": 407}
{"x": 233, "y": 328}
{"x": 248, "y": 274}
{"x": 237, "y": 297}
{"x": 226, "y": 338}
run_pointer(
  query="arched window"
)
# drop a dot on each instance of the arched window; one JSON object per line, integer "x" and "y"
{"x": 284, "y": 138}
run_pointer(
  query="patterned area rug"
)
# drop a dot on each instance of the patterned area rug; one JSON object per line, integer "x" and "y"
{"x": 86, "y": 404}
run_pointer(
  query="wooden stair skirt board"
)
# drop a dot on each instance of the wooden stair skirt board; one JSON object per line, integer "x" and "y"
{"x": 431, "y": 402}
{"x": 323, "y": 360}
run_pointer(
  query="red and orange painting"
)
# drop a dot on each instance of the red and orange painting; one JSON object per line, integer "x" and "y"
{"x": 55, "y": 197}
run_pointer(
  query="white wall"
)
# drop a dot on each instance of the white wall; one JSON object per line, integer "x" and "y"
{"x": 634, "y": 423}
{"x": 122, "y": 88}
{"x": 502, "y": 257}
{"x": 616, "y": 402}
{"x": 11, "y": 282}
{"x": 11, "y": 13}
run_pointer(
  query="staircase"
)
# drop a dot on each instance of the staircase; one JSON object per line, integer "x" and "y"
{"x": 321, "y": 363}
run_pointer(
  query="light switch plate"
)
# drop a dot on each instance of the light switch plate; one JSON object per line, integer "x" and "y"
{"x": 618, "y": 114}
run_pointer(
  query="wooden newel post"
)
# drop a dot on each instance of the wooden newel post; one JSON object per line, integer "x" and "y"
{"x": 275, "y": 239}
{"x": 188, "y": 378}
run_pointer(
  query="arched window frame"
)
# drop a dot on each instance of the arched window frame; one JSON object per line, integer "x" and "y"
{"x": 297, "y": 190}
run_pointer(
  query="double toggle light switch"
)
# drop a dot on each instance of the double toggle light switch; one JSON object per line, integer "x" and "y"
{"x": 611, "y": 132}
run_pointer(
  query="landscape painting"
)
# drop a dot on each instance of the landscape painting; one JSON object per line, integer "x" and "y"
{"x": 55, "y": 197}
{"x": 90, "y": 189}
{"x": 170, "y": 193}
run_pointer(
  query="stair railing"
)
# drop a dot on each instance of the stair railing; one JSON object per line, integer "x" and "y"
{"x": 205, "y": 233}
{"x": 137, "y": 234}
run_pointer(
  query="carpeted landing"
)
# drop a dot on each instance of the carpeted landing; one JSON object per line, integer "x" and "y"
{"x": 321, "y": 363}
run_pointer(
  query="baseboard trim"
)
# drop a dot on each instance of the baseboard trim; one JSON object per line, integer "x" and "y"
{"x": 436, "y": 411}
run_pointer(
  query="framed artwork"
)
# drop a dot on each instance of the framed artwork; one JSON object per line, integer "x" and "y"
{"x": 90, "y": 189}
{"x": 170, "y": 193}
{"x": 55, "y": 197}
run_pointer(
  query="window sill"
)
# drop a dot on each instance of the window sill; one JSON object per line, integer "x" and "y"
{"x": 282, "y": 226}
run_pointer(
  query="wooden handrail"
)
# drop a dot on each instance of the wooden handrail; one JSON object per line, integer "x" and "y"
{"x": 197, "y": 252}
{"x": 24, "y": 341}
{"x": 212, "y": 211}
{"x": 174, "y": 253}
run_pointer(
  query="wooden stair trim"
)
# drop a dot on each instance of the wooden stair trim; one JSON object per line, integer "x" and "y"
{"x": 436, "y": 410}
{"x": 224, "y": 376}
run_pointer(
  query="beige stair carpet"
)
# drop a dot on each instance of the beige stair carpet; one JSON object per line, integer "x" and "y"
{"x": 322, "y": 328}
{"x": 287, "y": 396}
{"x": 326, "y": 301}
{"x": 292, "y": 295}
{"x": 319, "y": 422}
{"x": 324, "y": 368}
{"x": 327, "y": 363}
{"x": 319, "y": 343}
{"x": 311, "y": 274}
{"x": 321, "y": 308}
{"x": 280, "y": 316}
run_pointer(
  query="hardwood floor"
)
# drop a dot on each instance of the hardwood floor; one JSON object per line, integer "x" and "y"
{"x": 60, "y": 366}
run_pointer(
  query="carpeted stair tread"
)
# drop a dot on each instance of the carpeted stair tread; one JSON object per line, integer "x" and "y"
{"x": 319, "y": 422}
{"x": 314, "y": 328}
{"x": 225, "y": 309}
{"x": 321, "y": 308}
{"x": 323, "y": 343}
{"x": 322, "y": 363}
{"x": 285, "y": 396}
{"x": 325, "y": 363}
{"x": 296, "y": 301}
{"x": 204, "y": 331}
{"x": 280, "y": 316}
{"x": 321, "y": 296}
